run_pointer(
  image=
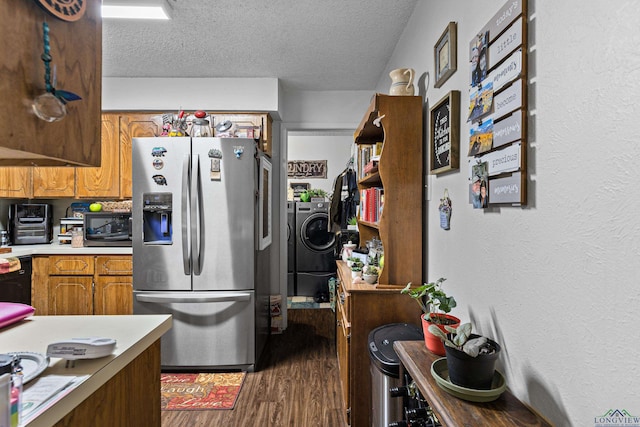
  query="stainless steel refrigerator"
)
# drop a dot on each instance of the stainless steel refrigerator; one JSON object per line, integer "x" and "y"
{"x": 195, "y": 224}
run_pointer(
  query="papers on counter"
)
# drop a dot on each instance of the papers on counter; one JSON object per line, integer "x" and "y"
{"x": 44, "y": 392}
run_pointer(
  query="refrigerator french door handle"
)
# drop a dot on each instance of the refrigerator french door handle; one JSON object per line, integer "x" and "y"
{"x": 201, "y": 240}
{"x": 186, "y": 181}
{"x": 195, "y": 215}
{"x": 189, "y": 297}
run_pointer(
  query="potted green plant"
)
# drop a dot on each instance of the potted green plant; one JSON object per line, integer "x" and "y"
{"x": 370, "y": 274}
{"x": 352, "y": 223}
{"x": 356, "y": 270}
{"x": 435, "y": 305}
{"x": 471, "y": 358}
{"x": 352, "y": 260}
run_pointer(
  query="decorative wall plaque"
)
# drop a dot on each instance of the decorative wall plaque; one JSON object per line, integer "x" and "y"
{"x": 307, "y": 169}
{"x": 445, "y": 133}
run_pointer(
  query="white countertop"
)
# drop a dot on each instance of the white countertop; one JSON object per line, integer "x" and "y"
{"x": 133, "y": 334}
{"x": 58, "y": 249}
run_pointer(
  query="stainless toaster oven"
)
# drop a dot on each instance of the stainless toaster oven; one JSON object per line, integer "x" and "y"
{"x": 107, "y": 229}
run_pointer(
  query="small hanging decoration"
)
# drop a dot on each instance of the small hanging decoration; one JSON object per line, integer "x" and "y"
{"x": 445, "y": 211}
{"x": 67, "y": 10}
{"x": 50, "y": 106}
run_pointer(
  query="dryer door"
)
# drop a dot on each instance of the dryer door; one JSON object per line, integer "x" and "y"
{"x": 314, "y": 234}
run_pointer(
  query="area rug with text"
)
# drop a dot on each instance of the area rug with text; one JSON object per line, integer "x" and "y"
{"x": 189, "y": 392}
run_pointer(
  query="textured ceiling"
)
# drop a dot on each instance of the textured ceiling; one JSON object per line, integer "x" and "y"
{"x": 308, "y": 45}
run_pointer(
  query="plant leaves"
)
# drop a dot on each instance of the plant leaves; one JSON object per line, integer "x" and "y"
{"x": 462, "y": 334}
{"x": 474, "y": 345}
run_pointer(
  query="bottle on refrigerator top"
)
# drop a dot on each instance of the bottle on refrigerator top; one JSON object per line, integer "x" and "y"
{"x": 200, "y": 125}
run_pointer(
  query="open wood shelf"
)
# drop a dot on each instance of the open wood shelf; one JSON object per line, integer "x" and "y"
{"x": 373, "y": 178}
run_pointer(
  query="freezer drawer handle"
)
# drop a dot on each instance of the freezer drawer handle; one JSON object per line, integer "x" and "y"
{"x": 172, "y": 298}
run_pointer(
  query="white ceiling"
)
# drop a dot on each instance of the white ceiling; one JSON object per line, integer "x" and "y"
{"x": 307, "y": 44}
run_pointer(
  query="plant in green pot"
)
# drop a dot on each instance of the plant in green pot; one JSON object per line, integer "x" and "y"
{"x": 435, "y": 305}
{"x": 471, "y": 358}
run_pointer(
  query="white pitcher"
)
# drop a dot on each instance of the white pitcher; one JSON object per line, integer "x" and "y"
{"x": 402, "y": 82}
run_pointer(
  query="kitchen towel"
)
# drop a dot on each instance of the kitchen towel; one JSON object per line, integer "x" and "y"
{"x": 7, "y": 265}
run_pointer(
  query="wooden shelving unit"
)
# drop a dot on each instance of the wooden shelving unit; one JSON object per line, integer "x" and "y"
{"x": 400, "y": 173}
{"x": 362, "y": 307}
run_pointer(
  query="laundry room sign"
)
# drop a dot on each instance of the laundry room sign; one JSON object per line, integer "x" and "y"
{"x": 307, "y": 169}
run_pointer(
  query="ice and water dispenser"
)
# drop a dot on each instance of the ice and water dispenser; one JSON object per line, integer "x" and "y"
{"x": 157, "y": 226}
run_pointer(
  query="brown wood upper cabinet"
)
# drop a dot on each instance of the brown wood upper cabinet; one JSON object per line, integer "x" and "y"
{"x": 112, "y": 180}
{"x": 15, "y": 182}
{"x": 54, "y": 182}
{"x": 102, "y": 181}
{"x": 76, "y": 49}
{"x": 133, "y": 125}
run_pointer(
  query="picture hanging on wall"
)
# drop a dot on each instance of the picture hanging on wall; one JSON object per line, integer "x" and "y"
{"x": 479, "y": 189}
{"x": 479, "y": 58}
{"x": 480, "y": 101}
{"x": 445, "y": 55}
{"x": 481, "y": 138}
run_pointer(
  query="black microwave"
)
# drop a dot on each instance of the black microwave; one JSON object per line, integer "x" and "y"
{"x": 107, "y": 229}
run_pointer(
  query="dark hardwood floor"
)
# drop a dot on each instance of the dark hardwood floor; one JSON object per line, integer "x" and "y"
{"x": 297, "y": 385}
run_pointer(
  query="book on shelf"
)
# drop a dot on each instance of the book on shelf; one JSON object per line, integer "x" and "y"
{"x": 367, "y": 154}
{"x": 371, "y": 167}
{"x": 371, "y": 202}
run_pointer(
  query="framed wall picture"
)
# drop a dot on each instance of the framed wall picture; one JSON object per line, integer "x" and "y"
{"x": 445, "y": 55}
{"x": 445, "y": 133}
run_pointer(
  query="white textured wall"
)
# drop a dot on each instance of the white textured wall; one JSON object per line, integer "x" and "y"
{"x": 555, "y": 282}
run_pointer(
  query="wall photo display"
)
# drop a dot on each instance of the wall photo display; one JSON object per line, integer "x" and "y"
{"x": 445, "y": 134}
{"x": 445, "y": 54}
{"x": 498, "y": 107}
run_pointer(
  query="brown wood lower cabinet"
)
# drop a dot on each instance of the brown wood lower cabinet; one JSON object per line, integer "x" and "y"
{"x": 70, "y": 295}
{"x": 113, "y": 295}
{"x": 360, "y": 308}
{"x": 82, "y": 285}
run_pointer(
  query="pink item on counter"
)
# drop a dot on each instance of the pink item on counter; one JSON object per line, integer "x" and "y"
{"x": 12, "y": 312}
